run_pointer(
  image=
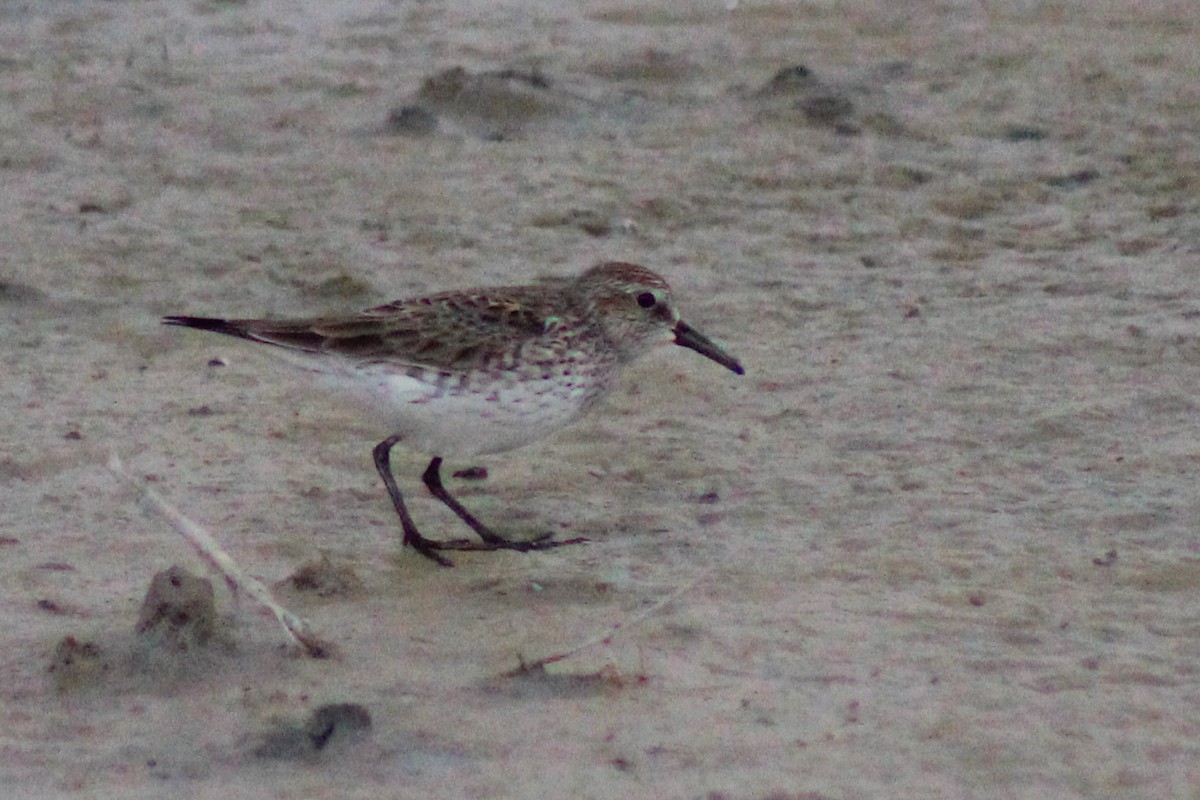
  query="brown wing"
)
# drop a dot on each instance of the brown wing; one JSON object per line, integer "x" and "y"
{"x": 453, "y": 330}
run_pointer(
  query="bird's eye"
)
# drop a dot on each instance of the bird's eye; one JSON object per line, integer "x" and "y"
{"x": 646, "y": 300}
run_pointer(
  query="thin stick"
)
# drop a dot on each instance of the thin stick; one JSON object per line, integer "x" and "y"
{"x": 210, "y": 551}
{"x": 611, "y": 633}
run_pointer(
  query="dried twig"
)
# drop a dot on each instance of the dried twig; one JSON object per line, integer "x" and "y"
{"x": 609, "y": 633}
{"x": 210, "y": 551}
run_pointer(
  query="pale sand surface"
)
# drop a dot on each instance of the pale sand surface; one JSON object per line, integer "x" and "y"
{"x": 939, "y": 542}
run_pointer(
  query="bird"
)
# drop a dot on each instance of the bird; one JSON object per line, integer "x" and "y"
{"x": 480, "y": 371}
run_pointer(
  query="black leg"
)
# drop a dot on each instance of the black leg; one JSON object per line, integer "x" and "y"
{"x": 429, "y": 547}
{"x": 426, "y": 547}
{"x": 433, "y": 481}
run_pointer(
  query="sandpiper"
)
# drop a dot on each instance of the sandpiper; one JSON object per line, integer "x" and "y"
{"x": 477, "y": 371}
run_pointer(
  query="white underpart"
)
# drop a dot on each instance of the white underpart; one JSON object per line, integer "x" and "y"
{"x": 488, "y": 418}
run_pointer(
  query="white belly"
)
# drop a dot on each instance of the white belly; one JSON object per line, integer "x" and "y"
{"x": 445, "y": 422}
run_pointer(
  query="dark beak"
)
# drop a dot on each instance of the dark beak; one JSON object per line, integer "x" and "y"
{"x": 689, "y": 337}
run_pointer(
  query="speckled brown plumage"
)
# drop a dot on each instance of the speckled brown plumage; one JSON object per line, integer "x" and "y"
{"x": 481, "y": 370}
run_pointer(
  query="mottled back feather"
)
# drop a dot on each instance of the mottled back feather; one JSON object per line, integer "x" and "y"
{"x": 452, "y": 331}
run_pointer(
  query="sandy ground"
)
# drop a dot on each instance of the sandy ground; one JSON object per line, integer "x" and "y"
{"x": 939, "y": 542}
